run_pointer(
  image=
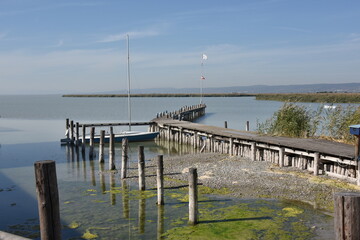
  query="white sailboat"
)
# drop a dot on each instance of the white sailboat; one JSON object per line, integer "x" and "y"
{"x": 132, "y": 136}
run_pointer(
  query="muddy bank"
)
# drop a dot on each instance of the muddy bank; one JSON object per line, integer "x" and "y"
{"x": 244, "y": 178}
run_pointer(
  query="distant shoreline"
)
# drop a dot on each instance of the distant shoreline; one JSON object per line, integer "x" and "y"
{"x": 164, "y": 95}
{"x": 323, "y": 97}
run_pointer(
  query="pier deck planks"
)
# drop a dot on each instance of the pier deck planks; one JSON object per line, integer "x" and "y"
{"x": 304, "y": 144}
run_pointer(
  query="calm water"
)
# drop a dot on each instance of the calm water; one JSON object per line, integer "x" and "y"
{"x": 30, "y": 130}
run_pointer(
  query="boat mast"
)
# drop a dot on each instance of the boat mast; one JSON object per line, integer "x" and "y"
{"x": 128, "y": 78}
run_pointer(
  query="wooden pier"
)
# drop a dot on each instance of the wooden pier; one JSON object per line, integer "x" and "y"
{"x": 319, "y": 156}
{"x": 315, "y": 155}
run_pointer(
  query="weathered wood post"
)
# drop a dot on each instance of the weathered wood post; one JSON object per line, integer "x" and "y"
{"x": 72, "y": 131}
{"x": 124, "y": 158}
{"x": 347, "y": 216}
{"x": 141, "y": 168}
{"x": 111, "y": 152}
{"x": 83, "y": 138}
{"x": 225, "y": 124}
{"x": 253, "y": 151}
{"x": 281, "y": 156}
{"x": 77, "y": 139}
{"x": 193, "y": 196}
{"x": 48, "y": 200}
{"x": 101, "y": 146}
{"x": 247, "y": 127}
{"x": 67, "y": 131}
{"x": 316, "y": 163}
{"x": 92, "y": 135}
{"x": 160, "y": 180}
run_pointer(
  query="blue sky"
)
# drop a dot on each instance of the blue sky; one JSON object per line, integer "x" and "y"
{"x": 79, "y": 46}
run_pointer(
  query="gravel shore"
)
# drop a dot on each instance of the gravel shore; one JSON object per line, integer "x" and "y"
{"x": 247, "y": 179}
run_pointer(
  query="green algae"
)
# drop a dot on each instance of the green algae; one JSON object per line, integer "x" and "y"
{"x": 242, "y": 221}
{"x": 74, "y": 225}
{"x": 89, "y": 235}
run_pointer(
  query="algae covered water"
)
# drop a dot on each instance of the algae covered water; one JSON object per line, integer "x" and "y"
{"x": 97, "y": 204}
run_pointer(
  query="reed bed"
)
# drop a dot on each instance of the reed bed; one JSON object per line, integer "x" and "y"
{"x": 311, "y": 97}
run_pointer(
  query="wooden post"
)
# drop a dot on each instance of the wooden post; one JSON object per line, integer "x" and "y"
{"x": 77, "y": 133}
{"x": 83, "y": 138}
{"x": 357, "y": 152}
{"x": 316, "y": 163}
{"x": 247, "y": 127}
{"x": 101, "y": 146}
{"x": 67, "y": 129}
{"x": 124, "y": 158}
{"x": 347, "y": 216}
{"x": 48, "y": 200}
{"x": 253, "y": 151}
{"x": 92, "y": 135}
{"x": 72, "y": 131}
{"x": 111, "y": 152}
{"x": 141, "y": 168}
{"x": 193, "y": 196}
{"x": 225, "y": 124}
{"x": 160, "y": 180}
{"x": 281, "y": 156}
{"x": 231, "y": 147}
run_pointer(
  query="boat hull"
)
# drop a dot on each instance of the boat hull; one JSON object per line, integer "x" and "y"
{"x": 131, "y": 136}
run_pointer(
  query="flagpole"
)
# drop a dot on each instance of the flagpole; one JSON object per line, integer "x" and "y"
{"x": 201, "y": 80}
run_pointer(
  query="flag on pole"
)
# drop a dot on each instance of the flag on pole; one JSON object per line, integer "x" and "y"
{"x": 202, "y": 78}
{"x": 204, "y": 57}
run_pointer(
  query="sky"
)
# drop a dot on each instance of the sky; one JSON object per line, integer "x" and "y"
{"x": 79, "y": 46}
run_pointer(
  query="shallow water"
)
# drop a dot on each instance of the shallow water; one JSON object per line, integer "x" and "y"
{"x": 102, "y": 204}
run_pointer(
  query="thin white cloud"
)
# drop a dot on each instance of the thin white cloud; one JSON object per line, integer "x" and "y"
{"x": 132, "y": 34}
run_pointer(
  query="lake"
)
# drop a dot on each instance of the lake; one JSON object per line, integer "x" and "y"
{"x": 101, "y": 205}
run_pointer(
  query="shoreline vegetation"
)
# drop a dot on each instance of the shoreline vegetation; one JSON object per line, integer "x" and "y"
{"x": 321, "y": 97}
{"x": 164, "y": 95}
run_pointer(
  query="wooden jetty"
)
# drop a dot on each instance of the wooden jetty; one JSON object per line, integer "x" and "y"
{"x": 316, "y": 155}
{"x": 322, "y": 157}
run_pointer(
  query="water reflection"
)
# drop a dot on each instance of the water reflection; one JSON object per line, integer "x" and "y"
{"x": 160, "y": 221}
{"x": 125, "y": 199}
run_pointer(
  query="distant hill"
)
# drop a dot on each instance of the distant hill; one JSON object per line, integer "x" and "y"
{"x": 306, "y": 88}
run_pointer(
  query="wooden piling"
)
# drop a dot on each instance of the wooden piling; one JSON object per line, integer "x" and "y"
{"x": 247, "y": 126}
{"x": 141, "y": 168}
{"x": 111, "y": 152}
{"x": 160, "y": 180}
{"x": 124, "y": 158}
{"x": 92, "y": 135}
{"x": 193, "y": 196}
{"x": 77, "y": 133}
{"x": 316, "y": 163}
{"x": 281, "y": 156}
{"x": 253, "y": 151}
{"x": 347, "y": 216}
{"x": 67, "y": 124}
{"x": 48, "y": 200}
{"x": 225, "y": 124}
{"x": 72, "y": 131}
{"x": 83, "y": 138}
{"x": 101, "y": 146}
